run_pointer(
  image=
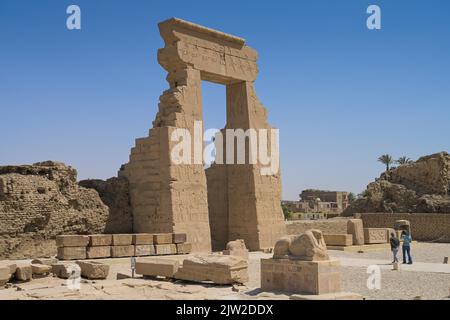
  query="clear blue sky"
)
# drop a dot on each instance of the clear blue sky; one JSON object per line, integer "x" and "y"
{"x": 340, "y": 94}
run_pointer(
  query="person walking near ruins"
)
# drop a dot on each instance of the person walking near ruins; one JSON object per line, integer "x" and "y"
{"x": 406, "y": 248}
{"x": 395, "y": 243}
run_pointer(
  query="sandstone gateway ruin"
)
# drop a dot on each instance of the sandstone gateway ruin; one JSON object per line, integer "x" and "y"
{"x": 228, "y": 201}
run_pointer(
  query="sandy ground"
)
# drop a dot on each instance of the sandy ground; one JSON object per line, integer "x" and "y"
{"x": 427, "y": 278}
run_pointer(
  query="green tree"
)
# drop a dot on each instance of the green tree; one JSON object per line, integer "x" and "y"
{"x": 403, "y": 160}
{"x": 287, "y": 213}
{"x": 351, "y": 197}
{"x": 387, "y": 160}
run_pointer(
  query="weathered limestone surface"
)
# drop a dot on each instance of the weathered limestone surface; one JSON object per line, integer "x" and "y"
{"x": 5, "y": 275}
{"x": 65, "y": 270}
{"x": 179, "y": 238}
{"x": 142, "y": 239}
{"x": 157, "y": 267}
{"x": 122, "y": 251}
{"x": 162, "y": 238}
{"x": 375, "y": 235}
{"x": 144, "y": 250}
{"x": 41, "y": 201}
{"x": 72, "y": 241}
{"x": 98, "y": 252}
{"x": 236, "y": 248}
{"x": 166, "y": 249}
{"x": 71, "y": 253}
{"x": 122, "y": 239}
{"x": 93, "y": 269}
{"x": 46, "y": 261}
{"x": 98, "y": 240}
{"x": 338, "y": 239}
{"x": 24, "y": 273}
{"x": 170, "y": 198}
{"x": 216, "y": 268}
{"x": 184, "y": 248}
{"x": 355, "y": 228}
{"x": 40, "y": 269}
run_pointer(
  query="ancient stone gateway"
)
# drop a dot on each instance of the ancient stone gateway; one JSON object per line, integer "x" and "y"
{"x": 229, "y": 201}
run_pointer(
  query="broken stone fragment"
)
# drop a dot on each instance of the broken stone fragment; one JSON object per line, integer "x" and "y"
{"x": 24, "y": 273}
{"x": 40, "y": 269}
{"x": 65, "y": 270}
{"x": 157, "y": 267}
{"x": 93, "y": 269}
{"x": 236, "y": 248}
{"x": 219, "y": 269}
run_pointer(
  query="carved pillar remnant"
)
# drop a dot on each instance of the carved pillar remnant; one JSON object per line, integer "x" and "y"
{"x": 233, "y": 200}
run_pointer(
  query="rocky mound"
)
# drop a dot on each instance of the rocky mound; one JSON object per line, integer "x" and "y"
{"x": 40, "y": 201}
{"x": 422, "y": 186}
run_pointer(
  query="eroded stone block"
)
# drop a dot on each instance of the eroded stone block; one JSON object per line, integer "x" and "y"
{"x": 100, "y": 240}
{"x": 98, "y": 252}
{"x": 216, "y": 268}
{"x": 24, "y": 273}
{"x": 71, "y": 253}
{"x": 72, "y": 241}
{"x": 375, "y": 235}
{"x": 5, "y": 275}
{"x": 142, "y": 238}
{"x": 144, "y": 250}
{"x": 355, "y": 228}
{"x": 179, "y": 238}
{"x": 184, "y": 248}
{"x": 93, "y": 269}
{"x": 303, "y": 277}
{"x": 40, "y": 269}
{"x": 122, "y": 251}
{"x": 122, "y": 239}
{"x": 236, "y": 248}
{"x": 46, "y": 261}
{"x": 65, "y": 270}
{"x": 157, "y": 267}
{"x": 338, "y": 239}
{"x": 165, "y": 249}
{"x": 162, "y": 238}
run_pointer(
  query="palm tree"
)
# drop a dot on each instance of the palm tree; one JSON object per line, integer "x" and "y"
{"x": 386, "y": 160}
{"x": 404, "y": 160}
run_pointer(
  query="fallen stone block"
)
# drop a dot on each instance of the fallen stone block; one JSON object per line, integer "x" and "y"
{"x": 144, "y": 250}
{"x": 184, "y": 248}
{"x": 71, "y": 253}
{"x": 179, "y": 238}
{"x": 122, "y": 239}
{"x": 72, "y": 241}
{"x": 142, "y": 238}
{"x": 40, "y": 269}
{"x": 165, "y": 249}
{"x": 216, "y": 268}
{"x": 338, "y": 239}
{"x": 98, "y": 252}
{"x": 10, "y": 265}
{"x": 162, "y": 238}
{"x": 236, "y": 248}
{"x": 122, "y": 251}
{"x": 100, "y": 240}
{"x": 355, "y": 228}
{"x": 64, "y": 271}
{"x": 375, "y": 235}
{"x": 303, "y": 277}
{"x": 45, "y": 261}
{"x": 157, "y": 267}
{"x": 24, "y": 273}
{"x": 93, "y": 269}
{"x": 5, "y": 275}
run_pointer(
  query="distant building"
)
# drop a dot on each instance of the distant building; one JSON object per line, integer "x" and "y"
{"x": 318, "y": 204}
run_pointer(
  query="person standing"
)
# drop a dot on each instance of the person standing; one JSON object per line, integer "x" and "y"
{"x": 406, "y": 248}
{"x": 395, "y": 244}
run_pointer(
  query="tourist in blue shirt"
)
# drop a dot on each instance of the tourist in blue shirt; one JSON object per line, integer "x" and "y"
{"x": 406, "y": 248}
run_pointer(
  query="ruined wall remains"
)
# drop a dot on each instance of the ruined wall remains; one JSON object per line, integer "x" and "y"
{"x": 424, "y": 226}
{"x": 40, "y": 201}
{"x": 422, "y": 186}
{"x": 327, "y": 226}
